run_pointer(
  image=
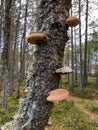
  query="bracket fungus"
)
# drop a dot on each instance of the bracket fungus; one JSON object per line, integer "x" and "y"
{"x": 72, "y": 21}
{"x": 64, "y": 70}
{"x": 37, "y": 38}
{"x": 57, "y": 95}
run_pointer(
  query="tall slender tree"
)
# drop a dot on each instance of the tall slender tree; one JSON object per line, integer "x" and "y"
{"x": 7, "y": 29}
{"x": 81, "y": 69}
{"x": 6, "y": 47}
{"x": 23, "y": 46}
{"x": 15, "y": 46}
{"x": 75, "y": 57}
{"x": 72, "y": 59}
{"x": 86, "y": 45}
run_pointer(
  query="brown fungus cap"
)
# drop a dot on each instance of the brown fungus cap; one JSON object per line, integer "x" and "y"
{"x": 37, "y": 38}
{"x": 57, "y": 95}
{"x": 64, "y": 70}
{"x": 72, "y": 21}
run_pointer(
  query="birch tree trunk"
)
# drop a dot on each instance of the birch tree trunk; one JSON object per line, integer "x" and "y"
{"x": 72, "y": 60}
{"x": 76, "y": 78}
{"x": 81, "y": 69}
{"x": 86, "y": 46}
{"x": 35, "y": 109}
{"x": 15, "y": 64}
{"x": 96, "y": 69}
{"x": 23, "y": 47}
{"x": 7, "y": 48}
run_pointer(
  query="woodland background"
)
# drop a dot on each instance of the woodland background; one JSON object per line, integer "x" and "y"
{"x": 18, "y": 19}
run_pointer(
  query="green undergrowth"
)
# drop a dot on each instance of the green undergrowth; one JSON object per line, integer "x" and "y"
{"x": 68, "y": 117}
{"x": 13, "y": 105}
{"x": 65, "y": 116}
{"x": 89, "y": 91}
{"x": 91, "y": 106}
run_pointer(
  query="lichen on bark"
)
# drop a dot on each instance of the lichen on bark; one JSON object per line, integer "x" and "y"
{"x": 35, "y": 109}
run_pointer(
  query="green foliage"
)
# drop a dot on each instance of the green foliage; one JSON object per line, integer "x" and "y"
{"x": 87, "y": 94}
{"x": 90, "y": 91}
{"x": 65, "y": 116}
{"x": 91, "y": 106}
{"x": 13, "y": 105}
{"x": 68, "y": 117}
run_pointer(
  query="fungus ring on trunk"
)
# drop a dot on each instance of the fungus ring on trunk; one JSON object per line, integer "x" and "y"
{"x": 57, "y": 95}
{"x": 37, "y": 38}
{"x": 72, "y": 21}
{"x": 64, "y": 70}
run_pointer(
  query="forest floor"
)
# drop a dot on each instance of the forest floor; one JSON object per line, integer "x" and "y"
{"x": 82, "y": 108}
{"x": 78, "y": 112}
{"x": 78, "y": 104}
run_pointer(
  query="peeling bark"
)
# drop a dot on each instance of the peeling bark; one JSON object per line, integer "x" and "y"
{"x": 35, "y": 110}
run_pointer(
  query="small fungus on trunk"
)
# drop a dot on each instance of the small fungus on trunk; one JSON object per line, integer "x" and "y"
{"x": 37, "y": 38}
{"x": 64, "y": 70}
{"x": 72, "y": 21}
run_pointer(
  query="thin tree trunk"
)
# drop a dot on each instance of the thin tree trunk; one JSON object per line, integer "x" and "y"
{"x": 7, "y": 28}
{"x": 75, "y": 59}
{"x": 7, "y": 42}
{"x": 35, "y": 110}
{"x": 10, "y": 62}
{"x": 15, "y": 65}
{"x": 5, "y": 53}
{"x": 72, "y": 60}
{"x": 85, "y": 51}
{"x": 96, "y": 67}
{"x": 68, "y": 65}
{"x": 0, "y": 26}
{"x": 1, "y": 38}
{"x": 88, "y": 60}
{"x": 81, "y": 76}
{"x": 23, "y": 47}
{"x": 4, "y": 96}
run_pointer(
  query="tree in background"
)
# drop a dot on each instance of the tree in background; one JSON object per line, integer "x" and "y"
{"x": 72, "y": 59}
{"x": 85, "y": 73}
{"x": 6, "y": 54}
{"x": 81, "y": 68}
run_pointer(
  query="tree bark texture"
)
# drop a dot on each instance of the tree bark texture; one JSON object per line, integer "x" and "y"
{"x": 76, "y": 78}
{"x": 35, "y": 109}
{"x": 80, "y": 49}
{"x": 7, "y": 47}
{"x": 85, "y": 76}
{"x": 7, "y": 28}
{"x": 23, "y": 47}
{"x": 72, "y": 60}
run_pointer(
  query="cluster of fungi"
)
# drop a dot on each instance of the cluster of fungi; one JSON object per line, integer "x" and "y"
{"x": 37, "y": 38}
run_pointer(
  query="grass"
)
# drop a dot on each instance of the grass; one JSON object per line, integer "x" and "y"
{"x": 91, "y": 106}
{"x": 90, "y": 91}
{"x": 65, "y": 116}
{"x": 68, "y": 117}
{"x": 13, "y": 105}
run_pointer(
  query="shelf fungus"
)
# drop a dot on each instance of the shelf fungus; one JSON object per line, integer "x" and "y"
{"x": 37, "y": 38}
{"x": 57, "y": 95}
{"x": 72, "y": 21}
{"x": 64, "y": 70}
